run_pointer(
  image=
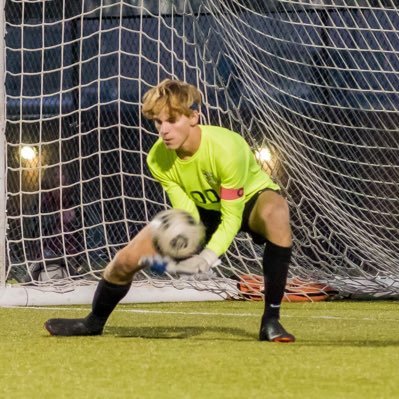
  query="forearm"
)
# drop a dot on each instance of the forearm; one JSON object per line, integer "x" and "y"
{"x": 228, "y": 228}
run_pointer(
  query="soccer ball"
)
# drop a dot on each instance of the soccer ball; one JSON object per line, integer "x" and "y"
{"x": 177, "y": 234}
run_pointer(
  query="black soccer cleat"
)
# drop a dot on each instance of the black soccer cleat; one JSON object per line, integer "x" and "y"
{"x": 71, "y": 327}
{"x": 271, "y": 330}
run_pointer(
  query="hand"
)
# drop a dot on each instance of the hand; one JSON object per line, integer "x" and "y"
{"x": 200, "y": 263}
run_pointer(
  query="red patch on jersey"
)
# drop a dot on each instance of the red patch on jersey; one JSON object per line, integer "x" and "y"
{"x": 231, "y": 193}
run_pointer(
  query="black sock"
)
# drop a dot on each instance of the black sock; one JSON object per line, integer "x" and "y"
{"x": 106, "y": 297}
{"x": 275, "y": 269}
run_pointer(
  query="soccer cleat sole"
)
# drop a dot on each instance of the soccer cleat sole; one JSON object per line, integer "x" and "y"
{"x": 286, "y": 339}
{"x": 281, "y": 339}
{"x": 273, "y": 331}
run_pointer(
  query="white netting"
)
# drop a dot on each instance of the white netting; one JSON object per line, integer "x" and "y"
{"x": 317, "y": 81}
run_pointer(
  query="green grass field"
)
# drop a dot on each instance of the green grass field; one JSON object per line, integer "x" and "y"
{"x": 205, "y": 350}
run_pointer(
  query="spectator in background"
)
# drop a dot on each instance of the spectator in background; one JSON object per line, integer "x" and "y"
{"x": 58, "y": 214}
{"x": 58, "y": 224}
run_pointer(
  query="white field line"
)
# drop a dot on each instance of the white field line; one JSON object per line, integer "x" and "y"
{"x": 182, "y": 313}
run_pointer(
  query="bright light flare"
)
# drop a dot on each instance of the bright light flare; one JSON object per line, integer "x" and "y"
{"x": 263, "y": 155}
{"x": 28, "y": 153}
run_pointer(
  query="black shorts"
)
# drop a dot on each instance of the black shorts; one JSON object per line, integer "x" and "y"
{"x": 211, "y": 219}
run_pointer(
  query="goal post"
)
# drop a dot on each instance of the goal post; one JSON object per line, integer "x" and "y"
{"x": 3, "y": 177}
{"x": 311, "y": 85}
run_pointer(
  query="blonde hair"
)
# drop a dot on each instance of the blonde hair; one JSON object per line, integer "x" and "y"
{"x": 173, "y": 96}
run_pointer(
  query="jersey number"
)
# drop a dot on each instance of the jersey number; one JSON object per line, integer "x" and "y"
{"x": 207, "y": 196}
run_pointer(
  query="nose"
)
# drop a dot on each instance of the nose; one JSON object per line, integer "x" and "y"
{"x": 164, "y": 129}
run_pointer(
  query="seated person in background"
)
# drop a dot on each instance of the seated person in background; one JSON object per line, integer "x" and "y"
{"x": 58, "y": 222}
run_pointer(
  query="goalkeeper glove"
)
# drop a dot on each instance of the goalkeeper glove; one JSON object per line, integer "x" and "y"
{"x": 200, "y": 263}
{"x": 156, "y": 263}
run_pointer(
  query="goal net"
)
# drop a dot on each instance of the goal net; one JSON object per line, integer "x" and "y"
{"x": 311, "y": 84}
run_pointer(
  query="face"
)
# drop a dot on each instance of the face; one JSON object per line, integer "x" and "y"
{"x": 174, "y": 131}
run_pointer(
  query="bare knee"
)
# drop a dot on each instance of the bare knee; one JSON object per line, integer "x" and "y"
{"x": 122, "y": 267}
{"x": 277, "y": 221}
{"x": 276, "y": 212}
{"x": 271, "y": 219}
{"x": 126, "y": 261}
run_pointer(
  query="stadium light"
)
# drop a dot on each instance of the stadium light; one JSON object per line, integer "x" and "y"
{"x": 28, "y": 153}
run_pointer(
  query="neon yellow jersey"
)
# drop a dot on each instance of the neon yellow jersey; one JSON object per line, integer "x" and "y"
{"x": 222, "y": 175}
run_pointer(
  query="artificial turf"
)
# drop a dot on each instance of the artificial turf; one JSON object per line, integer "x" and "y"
{"x": 344, "y": 349}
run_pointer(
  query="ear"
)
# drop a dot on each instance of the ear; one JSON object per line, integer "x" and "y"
{"x": 194, "y": 118}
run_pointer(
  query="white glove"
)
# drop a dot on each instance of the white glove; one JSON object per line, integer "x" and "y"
{"x": 200, "y": 263}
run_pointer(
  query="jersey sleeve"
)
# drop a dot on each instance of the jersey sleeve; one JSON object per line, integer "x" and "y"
{"x": 233, "y": 172}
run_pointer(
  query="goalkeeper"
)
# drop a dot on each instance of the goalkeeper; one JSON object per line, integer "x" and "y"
{"x": 210, "y": 172}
